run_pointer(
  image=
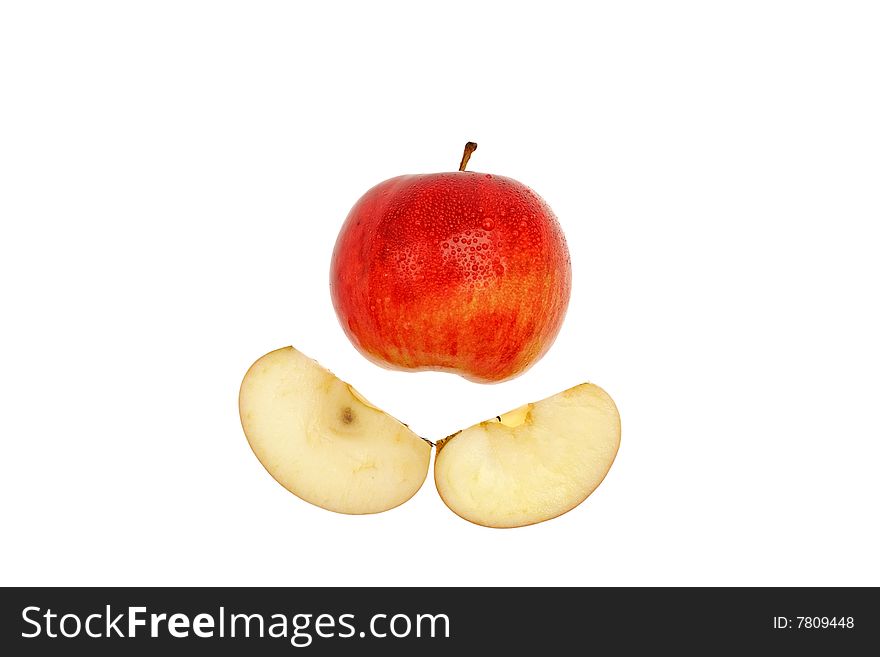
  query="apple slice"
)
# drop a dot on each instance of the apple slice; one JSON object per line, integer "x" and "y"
{"x": 325, "y": 443}
{"x": 531, "y": 464}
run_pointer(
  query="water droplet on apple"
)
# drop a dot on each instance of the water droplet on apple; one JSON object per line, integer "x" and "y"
{"x": 488, "y": 224}
{"x": 488, "y": 175}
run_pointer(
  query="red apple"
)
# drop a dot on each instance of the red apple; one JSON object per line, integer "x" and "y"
{"x": 460, "y": 271}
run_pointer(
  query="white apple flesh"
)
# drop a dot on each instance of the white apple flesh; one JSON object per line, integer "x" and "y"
{"x": 325, "y": 443}
{"x": 531, "y": 464}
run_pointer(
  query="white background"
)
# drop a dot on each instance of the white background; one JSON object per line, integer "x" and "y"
{"x": 172, "y": 179}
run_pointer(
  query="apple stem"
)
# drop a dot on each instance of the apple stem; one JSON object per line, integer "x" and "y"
{"x": 469, "y": 148}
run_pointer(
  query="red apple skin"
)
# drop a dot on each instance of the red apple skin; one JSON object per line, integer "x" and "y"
{"x": 462, "y": 271}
